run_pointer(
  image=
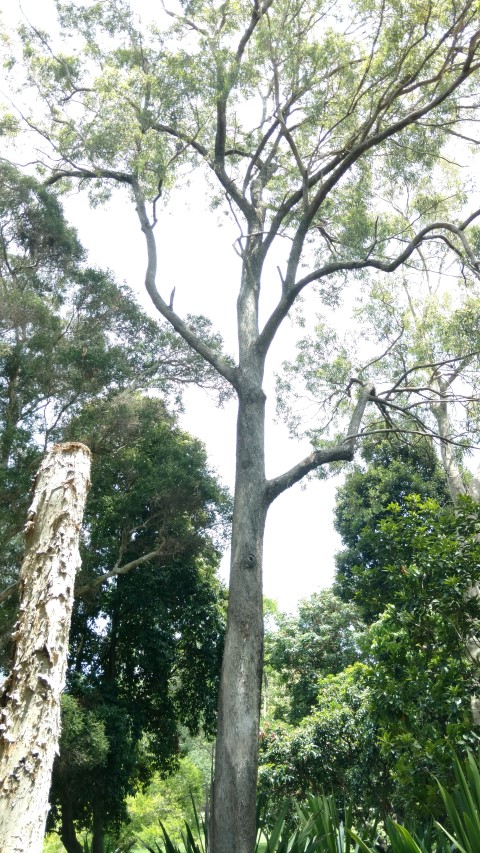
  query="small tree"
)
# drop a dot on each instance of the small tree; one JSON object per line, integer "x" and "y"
{"x": 423, "y": 680}
{"x": 323, "y": 639}
{"x": 393, "y": 471}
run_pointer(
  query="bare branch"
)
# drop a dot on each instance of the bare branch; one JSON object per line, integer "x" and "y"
{"x": 59, "y": 175}
{"x": 289, "y": 294}
{"x": 385, "y": 352}
{"x": 8, "y": 591}
{"x": 223, "y": 367}
{"x": 426, "y": 365}
{"x": 343, "y": 452}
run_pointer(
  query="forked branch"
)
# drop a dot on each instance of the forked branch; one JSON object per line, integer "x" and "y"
{"x": 432, "y": 231}
{"x": 221, "y": 365}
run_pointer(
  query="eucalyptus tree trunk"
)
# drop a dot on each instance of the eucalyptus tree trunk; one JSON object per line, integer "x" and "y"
{"x": 234, "y": 790}
{"x": 30, "y": 700}
{"x": 236, "y": 759}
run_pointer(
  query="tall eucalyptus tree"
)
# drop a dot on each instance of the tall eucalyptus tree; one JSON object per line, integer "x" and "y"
{"x": 305, "y": 120}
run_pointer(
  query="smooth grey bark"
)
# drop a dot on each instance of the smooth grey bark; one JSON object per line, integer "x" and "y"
{"x": 234, "y": 790}
{"x": 30, "y": 699}
{"x": 455, "y": 483}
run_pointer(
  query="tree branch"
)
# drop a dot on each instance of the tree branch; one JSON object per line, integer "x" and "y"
{"x": 425, "y": 366}
{"x": 346, "y": 158}
{"x": 257, "y": 13}
{"x": 223, "y": 367}
{"x": 9, "y": 590}
{"x": 343, "y": 452}
{"x": 290, "y": 293}
{"x": 122, "y": 570}
{"x": 109, "y": 174}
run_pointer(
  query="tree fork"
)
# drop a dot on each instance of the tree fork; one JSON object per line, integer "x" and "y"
{"x": 30, "y": 698}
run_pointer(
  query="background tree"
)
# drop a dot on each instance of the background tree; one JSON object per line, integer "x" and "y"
{"x": 335, "y": 95}
{"x": 421, "y": 349}
{"x": 68, "y": 335}
{"x": 409, "y": 564}
{"x": 147, "y": 630}
{"x": 319, "y": 732}
{"x": 435, "y": 361}
{"x": 393, "y": 471}
{"x": 421, "y": 678}
{"x": 378, "y": 732}
{"x": 323, "y": 639}
{"x": 334, "y": 749}
{"x": 83, "y": 748}
{"x": 71, "y": 335}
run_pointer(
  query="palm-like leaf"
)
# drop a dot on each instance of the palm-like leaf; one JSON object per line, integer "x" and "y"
{"x": 463, "y": 806}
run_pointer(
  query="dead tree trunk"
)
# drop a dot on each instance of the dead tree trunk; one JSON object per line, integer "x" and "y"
{"x": 30, "y": 698}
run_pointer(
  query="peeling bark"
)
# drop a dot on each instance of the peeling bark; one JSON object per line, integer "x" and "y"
{"x": 30, "y": 698}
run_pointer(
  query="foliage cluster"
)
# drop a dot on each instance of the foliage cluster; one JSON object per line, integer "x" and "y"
{"x": 376, "y": 732}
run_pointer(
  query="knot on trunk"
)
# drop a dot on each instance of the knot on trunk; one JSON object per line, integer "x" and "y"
{"x": 249, "y": 560}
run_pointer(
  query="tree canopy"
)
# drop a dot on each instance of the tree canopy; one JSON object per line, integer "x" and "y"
{"x": 147, "y": 628}
{"x": 393, "y": 471}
